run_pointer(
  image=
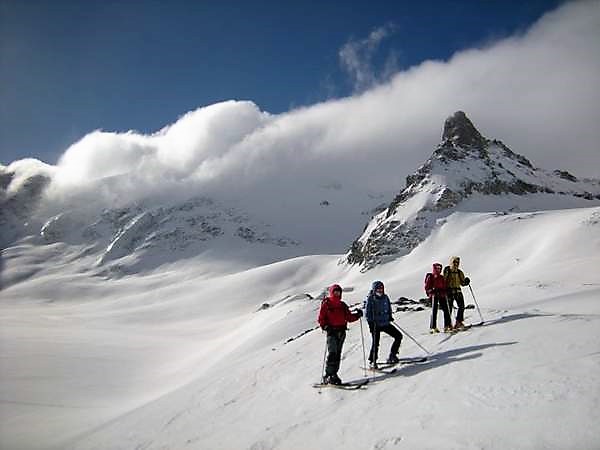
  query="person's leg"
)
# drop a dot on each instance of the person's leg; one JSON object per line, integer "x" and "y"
{"x": 450, "y": 298}
{"x": 447, "y": 318}
{"x": 434, "y": 311}
{"x": 397, "y": 335}
{"x": 375, "y": 334}
{"x": 460, "y": 301}
{"x": 335, "y": 341}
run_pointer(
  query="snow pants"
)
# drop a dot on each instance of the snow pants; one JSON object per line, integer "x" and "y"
{"x": 376, "y": 335}
{"x": 456, "y": 294}
{"x": 335, "y": 342}
{"x": 440, "y": 301}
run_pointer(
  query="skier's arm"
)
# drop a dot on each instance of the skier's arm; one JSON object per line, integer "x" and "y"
{"x": 350, "y": 316}
{"x": 464, "y": 281}
{"x": 369, "y": 309}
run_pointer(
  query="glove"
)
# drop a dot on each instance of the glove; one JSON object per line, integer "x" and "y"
{"x": 324, "y": 328}
{"x": 359, "y": 313}
{"x": 391, "y": 318}
{"x": 467, "y": 281}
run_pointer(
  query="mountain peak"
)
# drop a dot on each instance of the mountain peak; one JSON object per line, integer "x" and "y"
{"x": 460, "y": 131}
{"x": 467, "y": 172}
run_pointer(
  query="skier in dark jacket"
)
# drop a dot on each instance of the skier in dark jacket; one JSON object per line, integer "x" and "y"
{"x": 436, "y": 289}
{"x": 455, "y": 278}
{"x": 378, "y": 311}
{"x": 334, "y": 315}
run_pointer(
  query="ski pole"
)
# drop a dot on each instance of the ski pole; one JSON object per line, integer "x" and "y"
{"x": 476, "y": 304}
{"x": 362, "y": 337}
{"x": 394, "y": 324}
{"x": 323, "y": 368}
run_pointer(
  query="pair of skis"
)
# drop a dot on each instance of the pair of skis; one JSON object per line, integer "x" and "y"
{"x": 382, "y": 368}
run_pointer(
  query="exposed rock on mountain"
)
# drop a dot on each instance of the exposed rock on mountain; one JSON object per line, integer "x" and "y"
{"x": 17, "y": 205}
{"x": 164, "y": 231}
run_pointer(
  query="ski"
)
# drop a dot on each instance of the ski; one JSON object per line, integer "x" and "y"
{"x": 382, "y": 368}
{"x": 418, "y": 359}
{"x": 344, "y": 386}
{"x": 465, "y": 328}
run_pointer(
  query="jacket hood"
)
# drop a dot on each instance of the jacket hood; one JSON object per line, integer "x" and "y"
{"x": 376, "y": 285}
{"x": 332, "y": 288}
{"x": 454, "y": 258}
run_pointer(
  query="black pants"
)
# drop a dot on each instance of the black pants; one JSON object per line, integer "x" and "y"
{"x": 335, "y": 342}
{"x": 456, "y": 294}
{"x": 441, "y": 302}
{"x": 376, "y": 335}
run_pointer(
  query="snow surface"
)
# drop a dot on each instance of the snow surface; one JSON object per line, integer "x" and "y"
{"x": 189, "y": 356}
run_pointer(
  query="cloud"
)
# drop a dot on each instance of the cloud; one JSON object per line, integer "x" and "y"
{"x": 537, "y": 91}
{"x": 356, "y": 59}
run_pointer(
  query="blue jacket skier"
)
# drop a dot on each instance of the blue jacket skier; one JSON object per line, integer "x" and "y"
{"x": 378, "y": 312}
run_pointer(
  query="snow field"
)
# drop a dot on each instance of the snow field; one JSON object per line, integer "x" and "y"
{"x": 173, "y": 361}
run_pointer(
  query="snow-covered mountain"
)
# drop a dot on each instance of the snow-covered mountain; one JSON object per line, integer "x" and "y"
{"x": 467, "y": 172}
{"x": 118, "y": 236}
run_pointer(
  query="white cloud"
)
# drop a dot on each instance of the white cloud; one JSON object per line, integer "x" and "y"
{"x": 356, "y": 59}
{"x": 538, "y": 92}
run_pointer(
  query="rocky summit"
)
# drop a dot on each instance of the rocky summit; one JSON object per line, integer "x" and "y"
{"x": 466, "y": 172}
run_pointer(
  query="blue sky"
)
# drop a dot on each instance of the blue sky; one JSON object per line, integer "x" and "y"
{"x": 70, "y": 67}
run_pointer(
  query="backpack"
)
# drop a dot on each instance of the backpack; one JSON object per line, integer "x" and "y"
{"x": 427, "y": 282}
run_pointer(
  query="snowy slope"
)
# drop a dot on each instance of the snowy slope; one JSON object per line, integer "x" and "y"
{"x": 190, "y": 357}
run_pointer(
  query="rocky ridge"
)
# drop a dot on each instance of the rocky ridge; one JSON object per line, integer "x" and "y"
{"x": 466, "y": 172}
{"x": 160, "y": 232}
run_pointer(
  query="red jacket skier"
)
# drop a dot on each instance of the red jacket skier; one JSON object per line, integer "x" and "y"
{"x": 436, "y": 289}
{"x": 334, "y": 315}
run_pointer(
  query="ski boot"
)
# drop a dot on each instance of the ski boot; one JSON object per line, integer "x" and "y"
{"x": 459, "y": 326}
{"x": 334, "y": 379}
{"x": 393, "y": 359}
{"x": 434, "y": 331}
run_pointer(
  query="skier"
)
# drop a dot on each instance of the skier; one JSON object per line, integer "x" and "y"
{"x": 378, "y": 311}
{"x": 334, "y": 315}
{"x": 436, "y": 289}
{"x": 455, "y": 278}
